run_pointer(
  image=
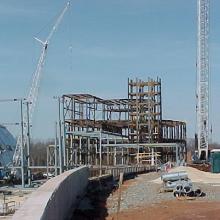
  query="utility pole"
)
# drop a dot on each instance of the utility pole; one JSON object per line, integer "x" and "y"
{"x": 60, "y": 138}
{"x": 22, "y": 144}
{"x": 55, "y": 149}
{"x": 100, "y": 153}
{"x": 203, "y": 78}
{"x": 28, "y": 145}
{"x": 21, "y": 138}
{"x": 65, "y": 160}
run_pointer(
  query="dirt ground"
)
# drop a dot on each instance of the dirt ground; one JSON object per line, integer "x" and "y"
{"x": 172, "y": 210}
{"x": 165, "y": 208}
{"x": 141, "y": 198}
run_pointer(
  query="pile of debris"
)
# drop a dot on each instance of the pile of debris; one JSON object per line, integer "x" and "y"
{"x": 180, "y": 184}
{"x": 203, "y": 167}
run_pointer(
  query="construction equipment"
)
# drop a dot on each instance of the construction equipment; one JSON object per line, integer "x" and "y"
{"x": 18, "y": 158}
{"x": 203, "y": 78}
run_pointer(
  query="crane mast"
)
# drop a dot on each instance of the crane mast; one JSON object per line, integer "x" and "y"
{"x": 34, "y": 89}
{"x": 203, "y": 78}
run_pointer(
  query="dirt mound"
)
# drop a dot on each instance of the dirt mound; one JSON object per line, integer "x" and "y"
{"x": 202, "y": 167}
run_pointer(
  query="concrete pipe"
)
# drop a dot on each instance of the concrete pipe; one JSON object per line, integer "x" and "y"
{"x": 191, "y": 194}
{"x": 187, "y": 189}
{"x": 198, "y": 192}
{"x": 176, "y": 194}
{"x": 174, "y": 176}
{"x": 179, "y": 188}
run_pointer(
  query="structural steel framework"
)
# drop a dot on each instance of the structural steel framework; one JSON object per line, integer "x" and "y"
{"x": 145, "y": 111}
{"x": 120, "y": 131}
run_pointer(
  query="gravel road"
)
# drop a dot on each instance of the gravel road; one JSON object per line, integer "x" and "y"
{"x": 143, "y": 191}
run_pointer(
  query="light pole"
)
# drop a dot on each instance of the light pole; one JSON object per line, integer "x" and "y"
{"x": 59, "y": 136}
{"x": 64, "y": 138}
{"x": 22, "y": 144}
{"x": 20, "y": 100}
{"x": 28, "y": 144}
{"x": 100, "y": 153}
{"x": 55, "y": 149}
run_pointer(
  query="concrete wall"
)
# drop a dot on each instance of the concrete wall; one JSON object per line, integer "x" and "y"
{"x": 55, "y": 199}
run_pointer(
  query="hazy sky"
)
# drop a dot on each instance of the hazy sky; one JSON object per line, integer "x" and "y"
{"x": 111, "y": 40}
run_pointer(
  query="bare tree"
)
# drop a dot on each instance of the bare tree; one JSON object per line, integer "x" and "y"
{"x": 38, "y": 152}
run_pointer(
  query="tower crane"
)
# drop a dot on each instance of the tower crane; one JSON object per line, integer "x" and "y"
{"x": 34, "y": 89}
{"x": 203, "y": 78}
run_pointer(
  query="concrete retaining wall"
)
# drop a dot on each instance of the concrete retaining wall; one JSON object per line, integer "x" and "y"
{"x": 55, "y": 199}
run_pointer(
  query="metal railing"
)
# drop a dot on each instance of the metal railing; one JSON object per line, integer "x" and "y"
{"x": 8, "y": 208}
{"x": 115, "y": 171}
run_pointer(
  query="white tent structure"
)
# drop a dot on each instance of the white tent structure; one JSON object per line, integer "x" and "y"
{"x": 7, "y": 147}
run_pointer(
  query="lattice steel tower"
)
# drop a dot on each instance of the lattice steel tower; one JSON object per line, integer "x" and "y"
{"x": 203, "y": 78}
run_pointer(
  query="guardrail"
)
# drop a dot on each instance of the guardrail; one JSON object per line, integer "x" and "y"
{"x": 8, "y": 208}
{"x": 115, "y": 171}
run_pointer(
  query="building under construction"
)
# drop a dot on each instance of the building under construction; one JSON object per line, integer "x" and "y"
{"x": 110, "y": 132}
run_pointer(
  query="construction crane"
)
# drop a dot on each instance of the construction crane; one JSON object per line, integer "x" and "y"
{"x": 203, "y": 78}
{"x": 33, "y": 92}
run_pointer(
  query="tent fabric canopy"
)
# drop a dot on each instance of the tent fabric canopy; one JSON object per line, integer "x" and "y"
{"x": 7, "y": 146}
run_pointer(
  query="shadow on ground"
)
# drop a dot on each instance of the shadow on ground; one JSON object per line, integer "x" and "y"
{"x": 93, "y": 204}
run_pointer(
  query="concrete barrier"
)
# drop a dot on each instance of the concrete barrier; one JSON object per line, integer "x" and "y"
{"x": 55, "y": 199}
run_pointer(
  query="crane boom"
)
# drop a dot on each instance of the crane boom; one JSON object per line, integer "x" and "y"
{"x": 33, "y": 93}
{"x": 203, "y": 78}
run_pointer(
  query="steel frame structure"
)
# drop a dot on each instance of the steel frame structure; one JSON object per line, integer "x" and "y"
{"x": 203, "y": 78}
{"x": 145, "y": 110}
{"x": 94, "y": 129}
{"x": 88, "y": 113}
{"x": 173, "y": 131}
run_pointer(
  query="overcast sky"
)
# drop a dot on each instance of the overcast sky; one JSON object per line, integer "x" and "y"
{"x": 98, "y": 45}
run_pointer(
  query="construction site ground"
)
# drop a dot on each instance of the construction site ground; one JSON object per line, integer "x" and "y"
{"x": 142, "y": 198}
{"x": 15, "y": 197}
{"x": 175, "y": 210}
